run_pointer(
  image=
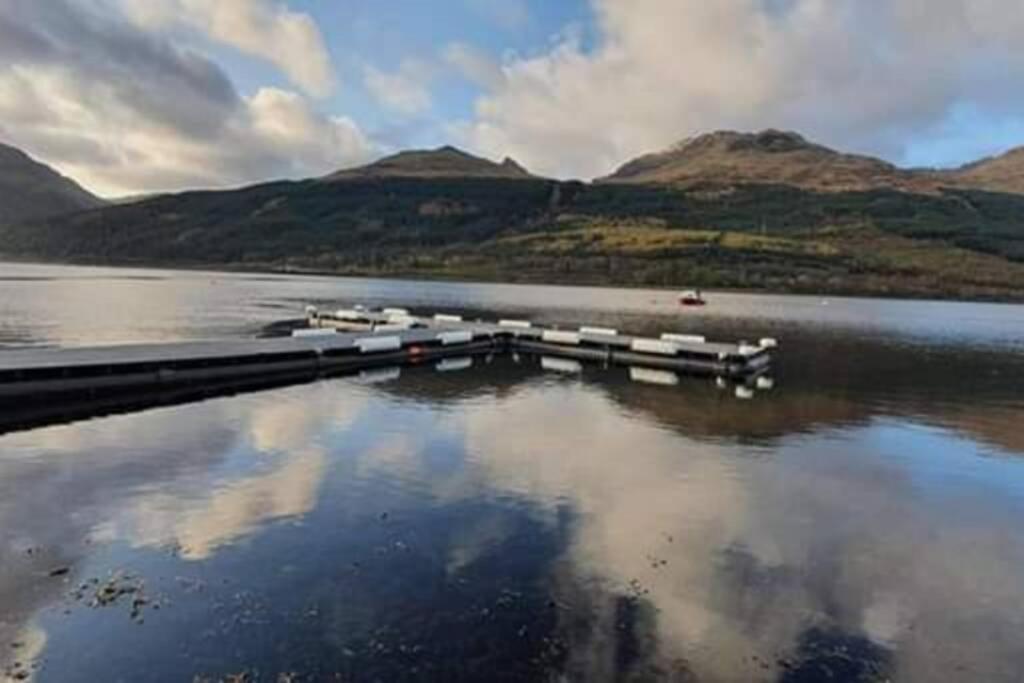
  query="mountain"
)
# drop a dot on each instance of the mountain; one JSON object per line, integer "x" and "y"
{"x": 770, "y": 157}
{"x": 726, "y": 159}
{"x": 768, "y": 211}
{"x": 1003, "y": 173}
{"x": 443, "y": 162}
{"x": 31, "y": 190}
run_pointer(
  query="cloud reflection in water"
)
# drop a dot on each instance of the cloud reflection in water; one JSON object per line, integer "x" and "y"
{"x": 715, "y": 558}
{"x": 742, "y": 551}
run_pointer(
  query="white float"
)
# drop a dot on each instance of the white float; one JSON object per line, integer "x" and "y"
{"x": 400, "y": 322}
{"x": 560, "y": 364}
{"x": 744, "y": 393}
{"x": 651, "y": 376}
{"x": 600, "y": 331}
{"x": 349, "y": 314}
{"x": 684, "y": 338}
{"x": 392, "y": 327}
{"x": 453, "y": 364}
{"x": 377, "y": 344}
{"x": 661, "y": 347}
{"x": 560, "y": 337}
{"x": 745, "y": 349}
{"x": 520, "y": 324}
{"x": 455, "y": 337}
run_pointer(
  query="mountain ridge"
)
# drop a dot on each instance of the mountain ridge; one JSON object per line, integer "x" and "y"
{"x": 442, "y": 162}
{"x": 776, "y": 157}
{"x": 444, "y": 213}
{"x": 31, "y": 190}
{"x": 1000, "y": 172}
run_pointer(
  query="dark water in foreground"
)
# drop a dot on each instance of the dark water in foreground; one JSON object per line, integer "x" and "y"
{"x": 859, "y": 521}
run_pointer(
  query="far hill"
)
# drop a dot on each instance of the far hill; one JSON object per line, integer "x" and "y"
{"x": 31, "y": 190}
{"x": 444, "y": 162}
{"x": 1003, "y": 173}
{"x": 728, "y": 158}
{"x": 768, "y": 211}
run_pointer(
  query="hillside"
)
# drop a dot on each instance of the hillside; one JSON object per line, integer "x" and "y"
{"x": 1003, "y": 173}
{"x": 444, "y": 162}
{"x": 447, "y": 214}
{"x": 728, "y": 158}
{"x": 31, "y": 190}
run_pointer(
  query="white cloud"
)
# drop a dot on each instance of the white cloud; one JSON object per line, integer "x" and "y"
{"x": 111, "y": 150}
{"x": 124, "y": 110}
{"x": 283, "y": 123}
{"x": 289, "y": 40}
{"x": 405, "y": 91}
{"x": 865, "y": 74}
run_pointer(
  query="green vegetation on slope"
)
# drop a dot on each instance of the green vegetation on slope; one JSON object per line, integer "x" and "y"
{"x": 856, "y": 259}
{"x": 956, "y": 243}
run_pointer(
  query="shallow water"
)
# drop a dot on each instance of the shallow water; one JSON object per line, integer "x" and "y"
{"x": 857, "y": 521}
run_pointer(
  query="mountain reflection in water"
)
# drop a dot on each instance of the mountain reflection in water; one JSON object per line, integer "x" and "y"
{"x": 503, "y": 523}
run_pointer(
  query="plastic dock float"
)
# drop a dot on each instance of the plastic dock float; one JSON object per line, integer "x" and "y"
{"x": 685, "y": 355}
{"x": 356, "y": 339}
{"x": 33, "y": 373}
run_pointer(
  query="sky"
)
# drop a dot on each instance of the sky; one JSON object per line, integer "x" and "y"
{"x": 138, "y": 96}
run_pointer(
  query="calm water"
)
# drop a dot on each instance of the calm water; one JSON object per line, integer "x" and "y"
{"x": 859, "y": 521}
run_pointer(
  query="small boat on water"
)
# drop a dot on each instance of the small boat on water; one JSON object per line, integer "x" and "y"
{"x": 691, "y": 297}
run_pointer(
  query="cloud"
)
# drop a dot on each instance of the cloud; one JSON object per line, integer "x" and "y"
{"x": 475, "y": 65}
{"x": 405, "y": 91}
{"x": 95, "y": 59}
{"x": 289, "y": 40}
{"x": 123, "y": 110}
{"x": 864, "y": 74}
{"x": 296, "y": 137}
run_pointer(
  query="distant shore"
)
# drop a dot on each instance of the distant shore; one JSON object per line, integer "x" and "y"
{"x": 891, "y": 290}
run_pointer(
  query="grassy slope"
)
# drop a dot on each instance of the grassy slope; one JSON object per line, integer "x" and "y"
{"x": 850, "y": 260}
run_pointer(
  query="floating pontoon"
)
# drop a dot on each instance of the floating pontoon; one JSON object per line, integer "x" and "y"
{"x": 359, "y": 338}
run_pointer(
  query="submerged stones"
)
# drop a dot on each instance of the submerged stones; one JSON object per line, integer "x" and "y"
{"x": 118, "y": 588}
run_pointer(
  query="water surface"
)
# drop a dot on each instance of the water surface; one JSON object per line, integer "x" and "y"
{"x": 858, "y": 521}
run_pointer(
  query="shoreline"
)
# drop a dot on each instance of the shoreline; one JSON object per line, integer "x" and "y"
{"x": 471, "y": 278}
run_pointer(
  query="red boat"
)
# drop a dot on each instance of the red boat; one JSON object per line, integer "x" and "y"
{"x": 691, "y": 297}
